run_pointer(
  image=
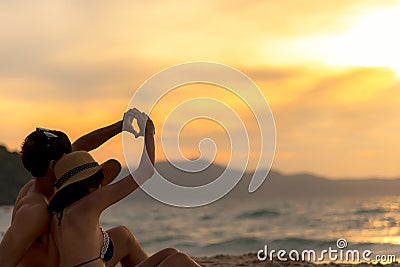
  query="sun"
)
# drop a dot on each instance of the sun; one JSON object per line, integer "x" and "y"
{"x": 397, "y": 71}
{"x": 372, "y": 40}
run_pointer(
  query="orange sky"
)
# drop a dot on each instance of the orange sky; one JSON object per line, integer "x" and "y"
{"x": 330, "y": 71}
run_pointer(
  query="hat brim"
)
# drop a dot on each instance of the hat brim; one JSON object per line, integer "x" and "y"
{"x": 110, "y": 168}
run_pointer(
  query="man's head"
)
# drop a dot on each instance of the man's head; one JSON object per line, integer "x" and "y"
{"x": 41, "y": 147}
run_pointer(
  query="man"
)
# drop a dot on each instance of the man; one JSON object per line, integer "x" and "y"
{"x": 27, "y": 242}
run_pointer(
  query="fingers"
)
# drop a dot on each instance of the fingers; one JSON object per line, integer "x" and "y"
{"x": 131, "y": 112}
{"x": 134, "y": 111}
{"x": 129, "y": 116}
{"x": 142, "y": 119}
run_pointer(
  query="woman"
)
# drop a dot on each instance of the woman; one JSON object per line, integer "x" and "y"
{"x": 83, "y": 193}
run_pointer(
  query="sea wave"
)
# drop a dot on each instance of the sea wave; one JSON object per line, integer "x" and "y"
{"x": 233, "y": 246}
{"x": 260, "y": 213}
{"x": 299, "y": 243}
{"x": 370, "y": 211}
{"x": 206, "y": 218}
{"x": 164, "y": 239}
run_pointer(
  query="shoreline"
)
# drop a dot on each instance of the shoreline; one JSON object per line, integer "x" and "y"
{"x": 250, "y": 260}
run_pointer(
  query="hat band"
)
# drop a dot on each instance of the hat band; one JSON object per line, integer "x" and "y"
{"x": 66, "y": 176}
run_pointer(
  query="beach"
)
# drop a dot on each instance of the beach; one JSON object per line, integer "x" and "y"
{"x": 251, "y": 260}
{"x": 229, "y": 260}
{"x": 217, "y": 236}
{"x": 231, "y": 237}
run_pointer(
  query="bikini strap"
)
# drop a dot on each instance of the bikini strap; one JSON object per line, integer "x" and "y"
{"x": 102, "y": 251}
{"x": 89, "y": 261}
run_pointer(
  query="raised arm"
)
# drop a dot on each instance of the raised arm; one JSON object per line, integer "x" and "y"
{"x": 98, "y": 137}
{"x": 110, "y": 194}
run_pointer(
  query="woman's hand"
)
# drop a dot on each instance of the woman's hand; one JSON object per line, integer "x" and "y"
{"x": 150, "y": 129}
{"x": 141, "y": 119}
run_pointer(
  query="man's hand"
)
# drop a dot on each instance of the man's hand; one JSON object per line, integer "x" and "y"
{"x": 143, "y": 121}
{"x": 141, "y": 118}
{"x": 129, "y": 116}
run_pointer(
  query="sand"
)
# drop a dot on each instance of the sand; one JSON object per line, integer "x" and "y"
{"x": 252, "y": 261}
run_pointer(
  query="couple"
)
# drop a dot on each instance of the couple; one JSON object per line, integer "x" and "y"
{"x": 70, "y": 234}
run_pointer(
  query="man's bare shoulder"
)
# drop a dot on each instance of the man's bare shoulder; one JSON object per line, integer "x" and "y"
{"x": 28, "y": 226}
{"x": 33, "y": 200}
{"x": 26, "y": 196}
{"x": 27, "y": 186}
{"x": 25, "y": 190}
{"x": 32, "y": 207}
{"x": 30, "y": 201}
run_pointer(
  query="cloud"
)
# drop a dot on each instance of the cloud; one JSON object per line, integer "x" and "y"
{"x": 170, "y": 31}
{"x": 327, "y": 125}
{"x": 74, "y": 65}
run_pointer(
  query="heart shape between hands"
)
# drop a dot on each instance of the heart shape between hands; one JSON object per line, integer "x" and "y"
{"x": 141, "y": 119}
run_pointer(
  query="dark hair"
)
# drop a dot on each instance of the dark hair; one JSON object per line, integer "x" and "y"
{"x": 40, "y": 147}
{"x": 74, "y": 192}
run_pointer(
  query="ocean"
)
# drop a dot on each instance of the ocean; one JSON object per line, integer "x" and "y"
{"x": 238, "y": 226}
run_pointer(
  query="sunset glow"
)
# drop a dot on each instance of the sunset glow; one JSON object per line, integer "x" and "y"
{"x": 371, "y": 40}
{"x": 329, "y": 69}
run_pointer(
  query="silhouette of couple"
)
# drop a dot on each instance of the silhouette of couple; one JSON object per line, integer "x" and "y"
{"x": 55, "y": 221}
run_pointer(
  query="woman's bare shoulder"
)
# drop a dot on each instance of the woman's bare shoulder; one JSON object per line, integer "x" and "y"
{"x": 83, "y": 209}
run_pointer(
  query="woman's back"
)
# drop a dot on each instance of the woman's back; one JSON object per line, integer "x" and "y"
{"x": 83, "y": 193}
{"x": 78, "y": 235}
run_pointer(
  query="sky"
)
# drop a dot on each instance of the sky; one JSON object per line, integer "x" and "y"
{"x": 330, "y": 71}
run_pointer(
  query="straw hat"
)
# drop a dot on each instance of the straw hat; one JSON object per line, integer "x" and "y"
{"x": 80, "y": 165}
